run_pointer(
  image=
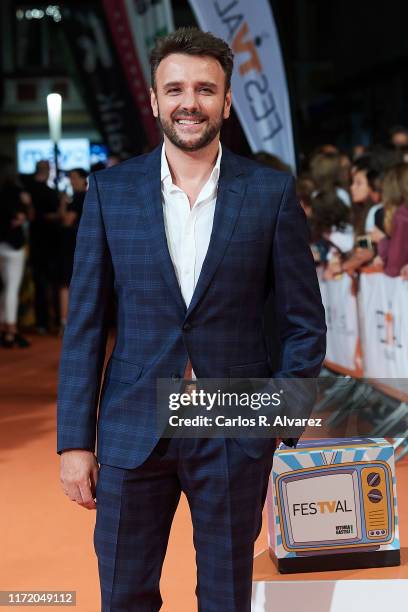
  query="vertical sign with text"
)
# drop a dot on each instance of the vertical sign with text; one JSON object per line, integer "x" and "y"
{"x": 259, "y": 87}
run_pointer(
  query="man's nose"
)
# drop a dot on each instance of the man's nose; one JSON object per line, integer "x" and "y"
{"x": 189, "y": 101}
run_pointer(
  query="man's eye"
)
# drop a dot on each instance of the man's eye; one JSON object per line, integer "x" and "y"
{"x": 206, "y": 90}
{"x": 173, "y": 90}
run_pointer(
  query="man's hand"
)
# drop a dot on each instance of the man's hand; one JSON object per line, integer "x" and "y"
{"x": 78, "y": 475}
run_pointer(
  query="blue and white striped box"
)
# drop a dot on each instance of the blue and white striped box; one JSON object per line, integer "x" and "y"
{"x": 332, "y": 504}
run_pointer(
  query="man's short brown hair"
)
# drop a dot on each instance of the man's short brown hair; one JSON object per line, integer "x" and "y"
{"x": 192, "y": 41}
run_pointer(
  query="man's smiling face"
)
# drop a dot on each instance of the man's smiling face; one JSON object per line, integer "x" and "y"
{"x": 189, "y": 99}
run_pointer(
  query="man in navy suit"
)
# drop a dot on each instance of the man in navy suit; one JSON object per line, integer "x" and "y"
{"x": 192, "y": 241}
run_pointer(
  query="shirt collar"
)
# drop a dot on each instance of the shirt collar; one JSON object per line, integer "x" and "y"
{"x": 166, "y": 174}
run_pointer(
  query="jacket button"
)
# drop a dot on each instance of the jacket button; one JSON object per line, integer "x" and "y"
{"x": 187, "y": 326}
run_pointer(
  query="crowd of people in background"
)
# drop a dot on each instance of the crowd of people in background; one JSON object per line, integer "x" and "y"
{"x": 38, "y": 227}
{"x": 356, "y": 207}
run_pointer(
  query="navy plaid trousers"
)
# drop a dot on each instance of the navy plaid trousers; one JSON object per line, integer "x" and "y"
{"x": 225, "y": 489}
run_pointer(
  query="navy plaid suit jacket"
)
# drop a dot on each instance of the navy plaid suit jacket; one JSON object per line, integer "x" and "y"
{"x": 258, "y": 247}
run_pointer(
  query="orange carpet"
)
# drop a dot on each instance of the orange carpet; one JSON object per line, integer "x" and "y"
{"x": 47, "y": 540}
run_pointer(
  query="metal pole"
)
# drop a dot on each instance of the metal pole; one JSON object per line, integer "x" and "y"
{"x": 54, "y": 102}
{"x": 56, "y": 165}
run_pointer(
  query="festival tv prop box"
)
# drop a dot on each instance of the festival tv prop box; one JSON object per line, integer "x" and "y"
{"x": 332, "y": 504}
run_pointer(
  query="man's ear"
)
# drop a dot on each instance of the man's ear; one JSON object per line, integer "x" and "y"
{"x": 153, "y": 103}
{"x": 227, "y": 104}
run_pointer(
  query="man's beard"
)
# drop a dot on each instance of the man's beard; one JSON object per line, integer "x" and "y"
{"x": 210, "y": 132}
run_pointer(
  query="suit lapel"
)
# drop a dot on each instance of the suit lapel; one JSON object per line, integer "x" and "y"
{"x": 153, "y": 207}
{"x": 230, "y": 195}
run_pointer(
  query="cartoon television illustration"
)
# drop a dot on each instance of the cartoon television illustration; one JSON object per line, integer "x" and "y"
{"x": 333, "y": 497}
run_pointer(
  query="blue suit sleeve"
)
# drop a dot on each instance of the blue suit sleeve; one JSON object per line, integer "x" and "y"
{"x": 84, "y": 342}
{"x": 298, "y": 305}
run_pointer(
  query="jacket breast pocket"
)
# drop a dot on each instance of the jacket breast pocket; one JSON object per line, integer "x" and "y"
{"x": 123, "y": 371}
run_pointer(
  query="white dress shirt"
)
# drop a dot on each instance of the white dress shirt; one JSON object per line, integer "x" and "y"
{"x": 188, "y": 230}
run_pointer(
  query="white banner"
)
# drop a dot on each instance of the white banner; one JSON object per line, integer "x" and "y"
{"x": 259, "y": 88}
{"x": 343, "y": 337}
{"x": 148, "y": 20}
{"x": 383, "y": 303}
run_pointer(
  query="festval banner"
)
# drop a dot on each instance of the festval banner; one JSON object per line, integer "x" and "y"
{"x": 343, "y": 354}
{"x": 259, "y": 87}
{"x": 383, "y": 304}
